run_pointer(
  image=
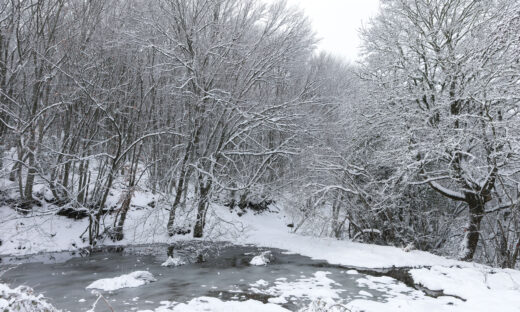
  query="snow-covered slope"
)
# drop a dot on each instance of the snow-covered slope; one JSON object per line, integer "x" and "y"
{"x": 270, "y": 230}
{"x": 54, "y": 233}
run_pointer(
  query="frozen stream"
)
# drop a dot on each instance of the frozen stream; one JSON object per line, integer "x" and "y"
{"x": 222, "y": 271}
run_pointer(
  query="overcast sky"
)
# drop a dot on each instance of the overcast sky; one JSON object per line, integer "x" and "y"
{"x": 337, "y": 22}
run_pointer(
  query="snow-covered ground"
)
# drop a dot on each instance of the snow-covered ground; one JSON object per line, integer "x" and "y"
{"x": 270, "y": 230}
{"x": 29, "y": 235}
{"x": 215, "y": 305}
{"x": 464, "y": 286}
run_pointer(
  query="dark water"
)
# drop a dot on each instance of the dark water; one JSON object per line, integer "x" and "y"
{"x": 221, "y": 271}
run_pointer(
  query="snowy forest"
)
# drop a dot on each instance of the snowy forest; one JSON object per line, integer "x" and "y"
{"x": 135, "y": 122}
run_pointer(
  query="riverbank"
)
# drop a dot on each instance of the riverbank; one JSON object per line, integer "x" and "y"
{"x": 457, "y": 286}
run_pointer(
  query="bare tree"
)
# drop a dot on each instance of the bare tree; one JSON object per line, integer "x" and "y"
{"x": 445, "y": 81}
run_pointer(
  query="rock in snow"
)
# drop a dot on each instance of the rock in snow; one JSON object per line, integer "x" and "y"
{"x": 173, "y": 262}
{"x": 262, "y": 259}
{"x": 134, "y": 279}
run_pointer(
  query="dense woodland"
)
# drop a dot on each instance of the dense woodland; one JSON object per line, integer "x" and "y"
{"x": 228, "y": 101}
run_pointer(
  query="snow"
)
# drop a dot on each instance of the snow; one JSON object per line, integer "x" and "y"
{"x": 44, "y": 231}
{"x": 259, "y": 283}
{"x": 450, "y": 193}
{"x": 269, "y": 230}
{"x": 318, "y": 287}
{"x": 215, "y": 305}
{"x": 483, "y": 288}
{"x": 173, "y": 262}
{"x": 365, "y": 293}
{"x": 134, "y": 279}
{"x": 399, "y": 297}
{"x": 261, "y": 259}
{"x": 469, "y": 289}
{"x": 22, "y": 298}
{"x": 48, "y": 233}
{"x": 480, "y": 286}
{"x": 34, "y": 234}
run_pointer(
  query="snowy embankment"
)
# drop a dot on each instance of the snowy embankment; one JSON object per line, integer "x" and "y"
{"x": 270, "y": 230}
{"x": 458, "y": 286}
{"x": 469, "y": 289}
{"x": 47, "y": 233}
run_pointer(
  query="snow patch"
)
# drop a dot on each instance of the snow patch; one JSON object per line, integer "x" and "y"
{"x": 216, "y": 305}
{"x": 259, "y": 283}
{"x": 262, "y": 259}
{"x": 319, "y": 287}
{"x": 134, "y": 279}
{"x": 365, "y": 293}
{"x": 173, "y": 262}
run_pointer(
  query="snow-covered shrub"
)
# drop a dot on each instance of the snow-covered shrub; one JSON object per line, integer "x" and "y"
{"x": 255, "y": 198}
{"x": 23, "y": 299}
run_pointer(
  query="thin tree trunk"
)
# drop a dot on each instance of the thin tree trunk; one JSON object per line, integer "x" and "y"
{"x": 118, "y": 230}
{"x": 176, "y": 202}
{"x": 31, "y": 172}
{"x": 202, "y": 208}
{"x": 335, "y": 216}
{"x": 179, "y": 189}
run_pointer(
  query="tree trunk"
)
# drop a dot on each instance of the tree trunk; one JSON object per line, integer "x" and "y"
{"x": 118, "y": 230}
{"x": 29, "y": 182}
{"x": 179, "y": 190}
{"x": 336, "y": 232}
{"x": 65, "y": 178}
{"x": 476, "y": 213}
{"x": 1, "y": 149}
{"x": 176, "y": 202}
{"x": 14, "y": 172}
{"x": 202, "y": 208}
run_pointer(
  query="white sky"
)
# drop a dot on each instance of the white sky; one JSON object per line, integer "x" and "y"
{"x": 337, "y": 23}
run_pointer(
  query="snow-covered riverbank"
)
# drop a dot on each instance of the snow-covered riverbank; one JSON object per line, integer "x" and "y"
{"x": 47, "y": 233}
{"x": 460, "y": 286}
